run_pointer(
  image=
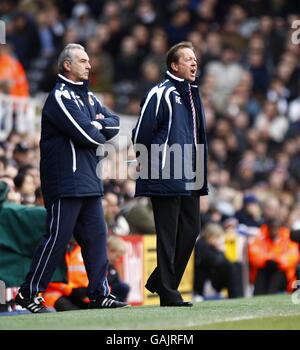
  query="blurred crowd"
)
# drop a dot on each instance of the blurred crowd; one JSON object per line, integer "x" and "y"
{"x": 250, "y": 87}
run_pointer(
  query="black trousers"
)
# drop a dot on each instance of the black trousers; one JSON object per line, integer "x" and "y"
{"x": 83, "y": 218}
{"x": 269, "y": 282}
{"x": 177, "y": 227}
{"x": 224, "y": 275}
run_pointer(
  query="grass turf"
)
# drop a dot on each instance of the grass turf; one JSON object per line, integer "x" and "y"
{"x": 267, "y": 312}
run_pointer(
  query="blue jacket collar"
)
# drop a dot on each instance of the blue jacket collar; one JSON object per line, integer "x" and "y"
{"x": 80, "y": 84}
{"x": 178, "y": 80}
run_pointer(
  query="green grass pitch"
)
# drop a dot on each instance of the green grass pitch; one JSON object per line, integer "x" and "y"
{"x": 265, "y": 313}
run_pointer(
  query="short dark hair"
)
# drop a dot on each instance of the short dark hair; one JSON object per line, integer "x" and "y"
{"x": 173, "y": 53}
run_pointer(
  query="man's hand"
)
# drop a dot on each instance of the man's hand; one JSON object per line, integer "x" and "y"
{"x": 99, "y": 116}
{"x": 96, "y": 124}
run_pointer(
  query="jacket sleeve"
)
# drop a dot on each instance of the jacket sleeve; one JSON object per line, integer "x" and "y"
{"x": 110, "y": 125}
{"x": 63, "y": 112}
{"x": 152, "y": 114}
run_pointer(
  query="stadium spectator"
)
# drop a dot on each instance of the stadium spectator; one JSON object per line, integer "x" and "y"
{"x": 13, "y": 80}
{"x": 24, "y": 183}
{"x": 116, "y": 223}
{"x": 139, "y": 215}
{"x": 82, "y": 22}
{"x": 24, "y": 37}
{"x": 226, "y": 75}
{"x": 150, "y": 75}
{"x": 102, "y": 72}
{"x": 72, "y": 295}
{"x": 23, "y": 154}
{"x": 212, "y": 265}
{"x": 157, "y": 52}
{"x": 272, "y": 255}
{"x": 270, "y": 125}
{"x": 250, "y": 214}
{"x": 116, "y": 248}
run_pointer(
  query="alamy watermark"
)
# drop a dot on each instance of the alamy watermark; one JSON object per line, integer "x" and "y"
{"x": 157, "y": 162}
{"x": 295, "y": 38}
{"x": 2, "y": 32}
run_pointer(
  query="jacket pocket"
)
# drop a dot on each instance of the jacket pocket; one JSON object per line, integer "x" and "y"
{"x": 74, "y": 165}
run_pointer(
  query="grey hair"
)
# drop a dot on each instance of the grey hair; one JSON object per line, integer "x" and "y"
{"x": 66, "y": 55}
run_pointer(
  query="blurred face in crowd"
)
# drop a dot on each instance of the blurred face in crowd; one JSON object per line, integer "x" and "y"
{"x": 186, "y": 67}
{"x": 114, "y": 254}
{"x": 270, "y": 109}
{"x": 24, "y": 157}
{"x": 111, "y": 208}
{"x": 78, "y": 68}
{"x": 254, "y": 210}
{"x": 28, "y": 187}
{"x": 271, "y": 209}
{"x": 150, "y": 72}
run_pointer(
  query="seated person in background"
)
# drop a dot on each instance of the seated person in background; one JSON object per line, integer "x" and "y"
{"x": 116, "y": 223}
{"x": 273, "y": 258}
{"x": 24, "y": 184}
{"x": 250, "y": 214}
{"x": 212, "y": 264}
{"x": 139, "y": 215}
{"x": 71, "y": 295}
{"x": 13, "y": 80}
{"x": 116, "y": 247}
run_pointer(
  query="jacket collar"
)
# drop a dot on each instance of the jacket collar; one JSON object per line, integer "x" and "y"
{"x": 82, "y": 85}
{"x": 70, "y": 81}
{"x": 172, "y": 76}
{"x": 177, "y": 80}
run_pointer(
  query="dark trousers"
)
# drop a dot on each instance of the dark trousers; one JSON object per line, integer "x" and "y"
{"x": 84, "y": 219}
{"x": 177, "y": 227}
{"x": 269, "y": 282}
{"x": 224, "y": 275}
{"x": 120, "y": 290}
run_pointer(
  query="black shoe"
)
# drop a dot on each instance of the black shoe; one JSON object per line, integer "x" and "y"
{"x": 150, "y": 288}
{"x": 34, "y": 305}
{"x": 108, "y": 302}
{"x": 177, "y": 303}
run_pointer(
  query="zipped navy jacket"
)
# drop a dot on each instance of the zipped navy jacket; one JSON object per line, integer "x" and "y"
{"x": 70, "y": 135}
{"x": 166, "y": 120}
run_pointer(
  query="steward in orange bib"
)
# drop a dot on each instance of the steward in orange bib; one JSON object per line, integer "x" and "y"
{"x": 13, "y": 79}
{"x": 273, "y": 258}
{"x": 73, "y": 295}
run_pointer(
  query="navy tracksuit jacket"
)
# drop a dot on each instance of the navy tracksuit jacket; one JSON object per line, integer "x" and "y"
{"x": 70, "y": 136}
{"x": 166, "y": 121}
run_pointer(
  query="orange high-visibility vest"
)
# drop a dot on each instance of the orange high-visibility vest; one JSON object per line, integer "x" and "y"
{"x": 282, "y": 250}
{"x": 12, "y": 71}
{"x": 77, "y": 278}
